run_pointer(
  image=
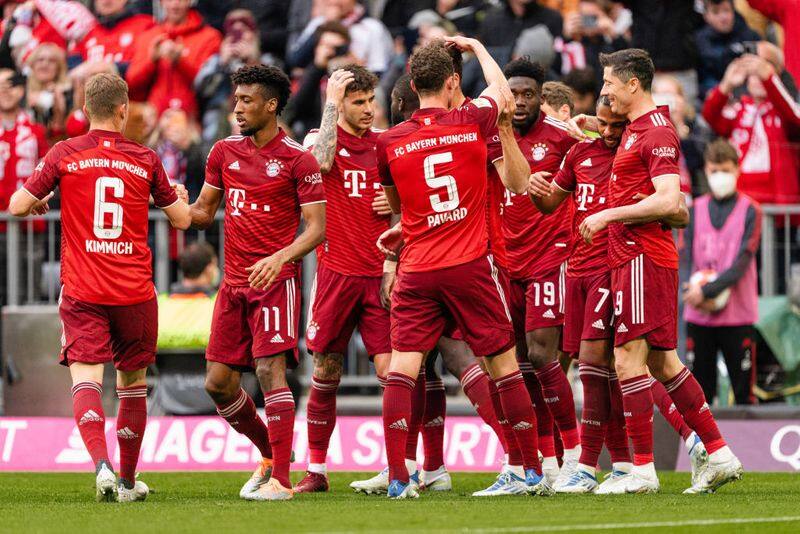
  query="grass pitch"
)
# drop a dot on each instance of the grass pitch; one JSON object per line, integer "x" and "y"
{"x": 208, "y": 502}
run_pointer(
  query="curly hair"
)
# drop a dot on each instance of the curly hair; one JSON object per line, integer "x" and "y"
{"x": 631, "y": 63}
{"x": 363, "y": 79}
{"x": 430, "y": 66}
{"x": 525, "y": 68}
{"x": 273, "y": 81}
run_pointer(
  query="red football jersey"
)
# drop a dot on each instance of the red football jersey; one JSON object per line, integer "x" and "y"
{"x": 106, "y": 182}
{"x": 538, "y": 243}
{"x": 21, "y": 148}
{"x": 585, "y": 172}
{"x": 264, "y": 189}
{"x": 114, "y": 44}
{"x": 351, "y": 226}
{"x": 649, "y": 148}
{"x": 437, "y": 161}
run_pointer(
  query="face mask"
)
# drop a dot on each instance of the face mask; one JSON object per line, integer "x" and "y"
{"x": 722, "y": 184}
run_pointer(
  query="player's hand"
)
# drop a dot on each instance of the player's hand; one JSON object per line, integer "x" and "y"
{"x": 465, "y": 44}
{"x": 387, "y": 285}
{"x": 593, "y": 224}
{"x": 182, "y": 192}
{"x": 391, "y": 241}
{"x": 337, "y": 84}
{"x": 577, "y": 124}
{"x": 693, "y": 296}
{"x": 264, "y": 271}
{"x": 539, "y": 184}
{"x": 41, "y": 207}
{"x": 380, "y": 204}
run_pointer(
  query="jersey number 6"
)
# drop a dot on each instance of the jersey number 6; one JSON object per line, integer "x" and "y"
{"x": 102, "y": 208}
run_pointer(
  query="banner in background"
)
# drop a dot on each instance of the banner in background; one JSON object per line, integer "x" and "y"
{"x": 210, "y": 444}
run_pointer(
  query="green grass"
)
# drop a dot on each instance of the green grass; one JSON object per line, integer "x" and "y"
{"x": 208, "y": 502}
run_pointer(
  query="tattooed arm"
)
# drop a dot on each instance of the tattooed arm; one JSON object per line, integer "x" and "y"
{"x": 325, "y": 145}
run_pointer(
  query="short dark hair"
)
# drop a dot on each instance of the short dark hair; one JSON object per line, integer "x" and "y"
{"x": 582, "y": 81}
{"x": 334, "y": 27}
{"x": 195, "y": 258}
{"x": 525, "y": 68}
{"x": 273, "y": 81}
{"x": 557, "y": 94}
{"x": 430, "y": 66}
{"x": 404, "y": 91}
{"x": 603, "y": 102}
{"x": 458, "y": 59}
{"x": 720, "y": 151}
{"x": 363, "y": 79}
{"x": 631, "y": 63}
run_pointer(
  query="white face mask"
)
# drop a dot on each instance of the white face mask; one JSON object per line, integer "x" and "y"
{"x": 722, "y": 184}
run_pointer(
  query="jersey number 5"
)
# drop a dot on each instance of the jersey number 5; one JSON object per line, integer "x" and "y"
{"x": 436, "y": 182}
{"x": 103, "y": 208}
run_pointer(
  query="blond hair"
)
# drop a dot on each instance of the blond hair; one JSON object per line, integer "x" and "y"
{"x": 34, "y": 85}
{"x": 105, "y": 92}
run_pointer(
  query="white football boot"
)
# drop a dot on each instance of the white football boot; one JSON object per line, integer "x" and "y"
{"x": 259, "y": 477}
{"x": 568, "y": 468}
{"x": 378, "y": 485}
{"x": 138, "y": 492}
{"x": 723, "y": 467}
{"x": 105, "y": 484}
{"x": 619, "y": 471}
{"x": 698, "y": 457}
{"x": 438, "y": 480}
{"x": 641, "y": 479}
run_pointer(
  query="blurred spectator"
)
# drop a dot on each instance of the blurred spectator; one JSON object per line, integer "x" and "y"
{"x": 112, "y": 39}
{"x": 49, "y": 91}
{"x": 588, "y": 32}
{"x": 584, "y": 84}
{"x": 761, "y": 125}
{"x": 396, "y": 14}
{"x": 370, "y": 41}
{"x": 462, "y": 15}
{"x": 537, "y": 44}
{"x": 785, "y": 13}
{"x": 557, "y": 100}
{"x": 177, "y": 143}
{"x": 504, "y": 23}
{"x": 199, "y": 270}
{"x": 240, "y": 46}
{"x": 271, "y": 18}
{"x": 168, "y": 57}
{"x": 720, "y": 41}
{"x": 142, "y": 122}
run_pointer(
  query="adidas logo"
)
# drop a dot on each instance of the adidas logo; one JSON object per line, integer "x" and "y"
{"x": 90, "y": 417}
{"x": 549, "y": 314}
{"x": 436, "y": 421}
{"x": 400, "y": 424}
{"x": 276, "y": 339}
{"x": 234, "y": 166}
{"x": 127, "y": 433}
{"x": 704, "y": 408}
{"x": 523, "y": 425}
{"x": 344, "y": 152}
{"x": 598, "y": 324}
{"x": 587, "y": 162}
{"x": 622, "y": 328}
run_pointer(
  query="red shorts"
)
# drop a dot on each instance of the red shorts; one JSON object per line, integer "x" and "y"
{"x": 338, "y": 304}
{"x": 97, "y": 333}
{"x": 255, "y": 323}
{"x": 471, "y": 294}
{"x": 451, "y": 329}
{"x": 645, "y": 303}
{"x": 538, "y": 302}
{"x": 588, "y": 310}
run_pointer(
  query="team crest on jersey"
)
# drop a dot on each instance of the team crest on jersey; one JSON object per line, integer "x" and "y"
{"x": 630, "y": 141}
{"x": 538, "y": 151}
{"x": 274, "y": 168}
{"x": 311, "y": 331}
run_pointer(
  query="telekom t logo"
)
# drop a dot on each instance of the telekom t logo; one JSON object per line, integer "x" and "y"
{"x": 355, "y": 181}
{"x": 585, "y": 192}
{"x": 236, "y": 199}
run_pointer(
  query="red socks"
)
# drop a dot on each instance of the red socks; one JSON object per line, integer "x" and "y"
{"x": 668, "y": 409}
{"x": 509, "y": 442}
{"x": 396, "y": 414}
{"x": 558, "y": 396}
{"x": 691, "y": 403}
{"x": 476, "y": 387}
{"x": 433, "y": 423}
{"x": 279, "y": 407}
{"x": 518, "y": 409}
{"x": 131, "y": 424}
{"x": 241, "y": 414}
{"x": 637, "y": 401}
{"x": 321, "y": 417}
{"x": 544, "y": 419}
{"x": 616, "y": 435}
{"x": 417, "y": 413}
{"x": 594, "y": 419}
{"x": 87, "y": 406}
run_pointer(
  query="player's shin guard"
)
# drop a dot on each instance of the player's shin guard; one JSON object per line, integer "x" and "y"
{"x": 131, "y": 424}
{"x": 669, "y": 410}
{"x": 475, "y": 383}
{"x": 417, "y": 413}
{"x": 509, "y": 442}
{"x": 433, "y": 423}
{"x": 243, "y": 417}
{"x": 279, "y": 407}
{"x": 616, "y": 434}
{"x": 87, "y": 406}
{"x": 688, "y": 397}
{"x": 558, "y": 396}
{"x": 321, "y": 417}
{"x": 518, "y": 409}
{"x": 396, "y": 414}
{"x": 544, "y": 420}
{"x": 637, "y": 401}
{"x": 594, "y": 419}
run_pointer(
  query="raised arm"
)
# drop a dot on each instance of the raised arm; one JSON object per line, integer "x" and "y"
{"x": 513, "y": 168}
{"x": 497, "y": 86}
{"x": 325, "y": 144}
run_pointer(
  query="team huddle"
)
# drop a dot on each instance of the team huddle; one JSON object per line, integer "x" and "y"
{"x": 522, "y": 241}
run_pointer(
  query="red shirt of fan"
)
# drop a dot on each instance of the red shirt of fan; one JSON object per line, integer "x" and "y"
{"x": 21, "y": 148}
{"x": 106, "y": 182}
{"x": 538, "y": 243}
{"x": 649, "y": 148}
{"x": 114, "y": 43}
{"x": 437, "y": 161}
{"x": 351, "y": 225}
{"x": 264, "y": 189}
{"x": 585, "y": 173}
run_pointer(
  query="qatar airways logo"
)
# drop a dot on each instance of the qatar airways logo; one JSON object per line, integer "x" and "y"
{"x": 237, "y": 199}
{"x": 585, "y": 195}
{"x": 664, "y": 152}
{"x": 355, "y": 182}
